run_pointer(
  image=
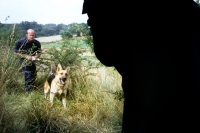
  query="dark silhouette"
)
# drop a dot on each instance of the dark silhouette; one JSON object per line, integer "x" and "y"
{"x": 155, "y": 46}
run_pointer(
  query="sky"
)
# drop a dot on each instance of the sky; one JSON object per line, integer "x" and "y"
{"x": 42, "y": 11}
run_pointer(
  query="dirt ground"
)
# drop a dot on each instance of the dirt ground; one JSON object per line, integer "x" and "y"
{"x": 49, "y": 38}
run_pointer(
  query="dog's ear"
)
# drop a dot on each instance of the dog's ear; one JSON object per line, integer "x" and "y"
{"x": 68, "y": 69}
{"x": 59, "y": 67}
{"x": 53, "y": 67}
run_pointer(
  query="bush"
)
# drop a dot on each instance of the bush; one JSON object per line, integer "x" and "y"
{"x": 90, "y": 108}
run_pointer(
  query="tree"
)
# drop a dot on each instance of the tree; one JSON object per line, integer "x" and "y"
{"x": 66, "y": 34}
{"x": 73, "y": 29}
{"x": 76, "y": 29}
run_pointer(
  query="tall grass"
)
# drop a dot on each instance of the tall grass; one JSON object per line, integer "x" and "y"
{"x": 8, "y": 80}
{"x": 93, "y": 106}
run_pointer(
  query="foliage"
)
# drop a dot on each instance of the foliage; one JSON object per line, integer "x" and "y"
{"x": 8, "y": 72}
{"x": 47, "y": 29}
{"x": 8, "y": 36}
{"x": 89, "y": 107}
{"x": 66, "y": 34}
{"x": 70, "y": 54}
{"x": 41, "y": 118}
{"x": 75, "y": 29}
{"x": 119, "y": 95}
{"x": 6, "y": 121}
{"x": 89, "y": 41}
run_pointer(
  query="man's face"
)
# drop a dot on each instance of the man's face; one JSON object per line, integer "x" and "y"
{"x": 30, "y": 35}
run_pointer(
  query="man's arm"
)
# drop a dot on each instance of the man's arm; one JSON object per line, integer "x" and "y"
{"x": 39, "y": 50}
{"x": 37, "y": 55}
{"x": 25, "y": 56}
{"x": 17, "y": 52}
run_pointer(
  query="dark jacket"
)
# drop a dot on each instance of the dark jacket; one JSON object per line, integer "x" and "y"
{"x": 23, "y": 46}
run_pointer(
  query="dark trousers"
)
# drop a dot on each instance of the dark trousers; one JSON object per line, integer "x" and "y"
{"x": 30, "y": 76}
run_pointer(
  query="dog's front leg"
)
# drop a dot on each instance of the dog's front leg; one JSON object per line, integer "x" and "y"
{"x": 46, "y": 89}
{"x": 46, "y": 92}
{"x": 64, "y": 100}
{"x": 52, "y": 95}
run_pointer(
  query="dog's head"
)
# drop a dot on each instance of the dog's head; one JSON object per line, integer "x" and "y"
{"x": 61, "y": 75}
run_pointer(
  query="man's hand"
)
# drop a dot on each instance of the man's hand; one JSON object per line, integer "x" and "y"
{"x": 29, "y": 57}
{"x": 33, "y": 58}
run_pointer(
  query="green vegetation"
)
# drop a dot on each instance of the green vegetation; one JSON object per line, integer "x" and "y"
{"x": 67, "y": 31}
{"x": 94, "y": 98}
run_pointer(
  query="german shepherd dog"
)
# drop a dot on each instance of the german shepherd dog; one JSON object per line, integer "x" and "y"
{"x": 56, "y": 83}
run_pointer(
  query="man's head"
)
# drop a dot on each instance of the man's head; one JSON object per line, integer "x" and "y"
{"x": 30, "y": 34}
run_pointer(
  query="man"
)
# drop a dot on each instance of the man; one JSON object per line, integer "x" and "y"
{"x": 155, "y": 46}
{"x": 28, "y": 49}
